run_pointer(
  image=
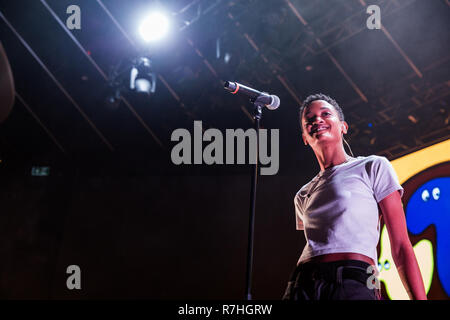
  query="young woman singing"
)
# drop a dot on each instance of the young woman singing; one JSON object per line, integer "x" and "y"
{"x": 340, "y": 211}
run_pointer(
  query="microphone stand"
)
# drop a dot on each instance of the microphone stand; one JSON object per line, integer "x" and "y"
{"x": 257, "y": 113}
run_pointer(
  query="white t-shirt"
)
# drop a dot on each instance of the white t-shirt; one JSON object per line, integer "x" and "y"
{"x": 338, "y": 208}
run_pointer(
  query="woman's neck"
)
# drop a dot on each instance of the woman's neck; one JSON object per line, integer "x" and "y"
{"x": 329, "y": 156}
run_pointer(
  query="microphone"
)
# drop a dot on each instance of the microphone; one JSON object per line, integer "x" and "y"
{"x": 271, "y": 101}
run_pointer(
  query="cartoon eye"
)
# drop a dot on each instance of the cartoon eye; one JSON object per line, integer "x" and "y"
{"x": 380, "y": 267}
{"x": 387, "y": 265}
{"x": 436, "y": 193}
{"x": 425, "y": 195}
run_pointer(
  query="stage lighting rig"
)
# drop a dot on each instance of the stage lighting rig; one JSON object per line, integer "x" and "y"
{"x": 130, "y": 75}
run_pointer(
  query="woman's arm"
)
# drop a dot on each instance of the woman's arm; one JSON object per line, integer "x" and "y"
{"x": 402, "y": 251}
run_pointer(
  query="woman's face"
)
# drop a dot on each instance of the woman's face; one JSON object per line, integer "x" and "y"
{"x": 321, "y": 124}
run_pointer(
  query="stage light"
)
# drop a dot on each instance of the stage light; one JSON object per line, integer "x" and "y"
{"x": 413, "y": 119}
{"x": 154, "y": 27}
{"x": 134, "y": 75}
{"x": 142, "y": 79}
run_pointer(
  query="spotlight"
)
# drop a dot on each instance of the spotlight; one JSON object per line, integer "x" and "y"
{"x": 154, "y": 27}
{"x": 142, "y": 79}
{"x": 129, "y": 75}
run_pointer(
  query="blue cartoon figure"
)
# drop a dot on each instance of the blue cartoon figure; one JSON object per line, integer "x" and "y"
{"x": 430, "y": 205}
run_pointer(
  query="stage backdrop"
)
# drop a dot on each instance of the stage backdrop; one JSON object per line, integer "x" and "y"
{"x": 425, "y": 176}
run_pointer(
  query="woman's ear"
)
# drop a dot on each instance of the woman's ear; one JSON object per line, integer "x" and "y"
{"x": 344, "y": 127}
{"x": 304, "y": 139}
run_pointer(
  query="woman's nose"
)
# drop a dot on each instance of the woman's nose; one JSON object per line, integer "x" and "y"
{"x": 318, "y": 120}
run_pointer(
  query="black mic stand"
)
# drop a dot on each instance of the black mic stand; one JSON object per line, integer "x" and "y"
{"x": 257, "y": 113}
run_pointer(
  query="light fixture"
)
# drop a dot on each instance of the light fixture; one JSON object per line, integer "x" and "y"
{"x": 129, "y": 75}
{"x": 142, "y": 79}
{"x": 154, "y": 27}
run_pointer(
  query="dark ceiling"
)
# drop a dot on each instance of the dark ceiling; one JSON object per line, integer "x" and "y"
{"x": 393, "y": 83}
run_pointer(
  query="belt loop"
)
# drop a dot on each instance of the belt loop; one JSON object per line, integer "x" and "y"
{"x": 339, "y": 275}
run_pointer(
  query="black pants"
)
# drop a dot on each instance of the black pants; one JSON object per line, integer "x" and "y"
{"x": 339, "y": 280}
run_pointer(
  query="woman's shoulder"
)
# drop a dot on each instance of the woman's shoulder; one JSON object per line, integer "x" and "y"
{"x": 372, "y": 160}
{"x": 374, "y": 165}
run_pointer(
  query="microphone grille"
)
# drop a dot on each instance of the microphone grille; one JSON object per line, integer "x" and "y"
{"x": 274, "y": 104}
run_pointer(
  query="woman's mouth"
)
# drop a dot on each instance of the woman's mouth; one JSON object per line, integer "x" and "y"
{"x": 319, "y": 129}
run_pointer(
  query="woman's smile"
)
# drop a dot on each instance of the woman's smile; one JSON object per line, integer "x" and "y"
{"x": 319, "y": 129}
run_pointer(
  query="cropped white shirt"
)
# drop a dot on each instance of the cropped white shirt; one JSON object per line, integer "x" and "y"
{"x": 338, "y": 208}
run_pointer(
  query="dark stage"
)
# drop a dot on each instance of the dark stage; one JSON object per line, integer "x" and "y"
{"x": 94, "y": 173}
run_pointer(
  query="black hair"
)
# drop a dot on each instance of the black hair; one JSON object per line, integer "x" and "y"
{"x": 324, "y": 97}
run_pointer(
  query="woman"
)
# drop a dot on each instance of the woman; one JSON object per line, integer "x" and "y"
{"x": 340, "y": 211}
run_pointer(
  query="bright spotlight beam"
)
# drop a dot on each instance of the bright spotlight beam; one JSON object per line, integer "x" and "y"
{"x": 154, "y": 27}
